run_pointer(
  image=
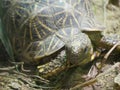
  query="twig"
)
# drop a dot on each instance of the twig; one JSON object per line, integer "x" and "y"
{"x": 90, "y": 82}
{"x": 108, "y": 53}
{"x": 22, "y": 68}
{"x": 13, "y": 67}
{"x": 33, "y": 85}
{"x": 7, "y": 68}
{"x": 38, "y": 77}
{"x": 21, "y": 65}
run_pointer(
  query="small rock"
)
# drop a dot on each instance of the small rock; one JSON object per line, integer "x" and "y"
{"x": 117, "y": 79}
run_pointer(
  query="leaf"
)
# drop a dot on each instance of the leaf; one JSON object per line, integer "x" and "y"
{"x": 5, "y": 40}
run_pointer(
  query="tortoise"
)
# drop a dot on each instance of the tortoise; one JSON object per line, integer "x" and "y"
{"x": 40, "y": 30}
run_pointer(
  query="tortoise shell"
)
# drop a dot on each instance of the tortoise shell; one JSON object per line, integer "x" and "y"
{"x": 32, "y": 24}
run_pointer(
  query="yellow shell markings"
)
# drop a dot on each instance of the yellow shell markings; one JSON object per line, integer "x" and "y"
{"x": 50, "y": 45}
{"x": 38, "y": 10}
{"x": 15, "y": 11}
{"x": 13, "y": 20}
{"x": 11, "y": 13}
{"x": 13, "y": 44}
{"x": 39, "y": 51}
{"x": 36, "y": 30}
{"x": 47, "y": 47}
{"x": 24, "y": 36}
{"x": 58, "y": 21}
{"x": 14, "y": 6}
{"x": 92, "y": 26}
{"x": 9, "y": 9}
{"x": 42, "y": 24}
{"x": 32, "y": 16}
{"x": 61, "y": 36}
{"x": 72, "y": 26}
{"x": 55, "y": 44}
{"x": 27, "y": 48}
{"x": 38, "y": 56}
{"x": 35, "y": 53}
{"x": 23, "y": 15}
{"x": 47, "y": 28}
{"x": 75, "y": 19}
{"x": 64, "y": 20}
{"x": 30, "y": 29}
{"x": 64, "y": 32}
{"x": 67, "y": 9}
{"x": 87, "y": 7}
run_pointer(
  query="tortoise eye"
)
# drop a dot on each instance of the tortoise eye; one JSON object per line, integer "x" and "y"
{"x": 86, "y": 50}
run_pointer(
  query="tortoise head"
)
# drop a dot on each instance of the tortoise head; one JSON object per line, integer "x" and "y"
{"x": 79, "y": 49}
{"x": 78, "y": 46}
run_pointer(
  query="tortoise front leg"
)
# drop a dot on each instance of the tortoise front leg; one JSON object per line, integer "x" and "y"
{"x": 54, "y": 66}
